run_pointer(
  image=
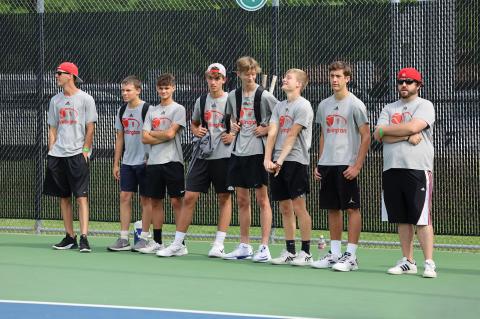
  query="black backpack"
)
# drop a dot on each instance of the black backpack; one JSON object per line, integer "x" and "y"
{"x": 256, "y": 103}
{"x": 144, "y": 111}
{"x": 124, "y": 108}
{"x": 226, "y": 118}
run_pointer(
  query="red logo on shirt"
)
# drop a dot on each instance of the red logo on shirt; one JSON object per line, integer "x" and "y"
{"x": 336, "y": 124}
{"x": 213, "y": 118}
{"x": 286, "y": 123}
{"x": 398, "y": 118}
{"x": 68, "y": 115}
{"x": 131, "y": 126}
{"x": 161, "y": 123}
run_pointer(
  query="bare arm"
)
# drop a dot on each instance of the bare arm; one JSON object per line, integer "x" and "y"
{"x": 166, "y": 135}
{"x": 352, "y": 171}
{"x": 316, "y": 173}
{"x": 403, "y": 129}
{"x": 52, "y": 136}
{"x": 289, "y": 142}
{"x": 271, "y": 138}
{"x": 118, "y": 154}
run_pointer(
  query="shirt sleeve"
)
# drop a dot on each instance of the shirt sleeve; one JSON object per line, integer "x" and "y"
{"x": 384, "y": 118}
{"x": 301, "y": 114}
{"x": 52, "y": 117}
{"x": 267, "y": 105}
{"x": 230, "y": 106}
{"x": 274, "y": 118}
{"x": 360, "y": 114}
{"x": 118, "y": 123}
{"x": 196, "y": 111}
{"x": 426, "y": 112}
{"x": 90, "y": 110}
{"x": 179, "y": 117}
{"x": 318, "y": 116}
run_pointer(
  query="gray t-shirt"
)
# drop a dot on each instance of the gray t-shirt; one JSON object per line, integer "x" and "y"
{"x": 132, "y": 125}
{"x": 285, "y": 115}
{"x": 247, "y": 143}
{"x": 403, "y": 154}
{"x": 340, "y": 121}
{"x": 214, "y": 116}
{"x": 70, "y": 115}
{"x": 160, "y": 118}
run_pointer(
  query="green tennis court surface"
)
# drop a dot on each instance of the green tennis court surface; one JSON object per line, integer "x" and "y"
{"x": 30, "y": 270}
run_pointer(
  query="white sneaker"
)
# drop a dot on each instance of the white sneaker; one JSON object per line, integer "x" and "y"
{"x": 403, "y": 266}
{"x": 302, "y": 259}
{"x": 262, "y": 255}
{"x": 173, "y": 250}
{"x": 347, "y": 262}
{"x": 217, "y": 250}
{"x": 429, "y": 271}
{"x": 243, "y": 251}
{"x": 151, "y": 248}
{"x": 326, "y": 261}
{"x": 284, "y": 259}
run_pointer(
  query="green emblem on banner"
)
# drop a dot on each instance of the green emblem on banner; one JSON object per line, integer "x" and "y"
{"x": 251, "y": 5}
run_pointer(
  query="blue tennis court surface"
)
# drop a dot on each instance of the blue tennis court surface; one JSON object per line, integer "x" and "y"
{"x": 11, "y": 309}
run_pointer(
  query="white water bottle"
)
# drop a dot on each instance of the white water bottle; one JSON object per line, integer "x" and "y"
{"x": 321, "y": 243}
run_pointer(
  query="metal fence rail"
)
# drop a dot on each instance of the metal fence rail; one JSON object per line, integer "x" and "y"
{"x": 112, "y": 39}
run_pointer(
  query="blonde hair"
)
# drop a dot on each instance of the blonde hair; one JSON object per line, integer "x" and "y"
{"x": 247, "y": 63}
{"x": 301, "y": 76}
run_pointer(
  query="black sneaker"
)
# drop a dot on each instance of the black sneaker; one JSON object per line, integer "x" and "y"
{"x": 84, "y": 246}
{"x": 67, "y": 243}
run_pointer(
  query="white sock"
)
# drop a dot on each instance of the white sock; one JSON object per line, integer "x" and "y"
{"x": 352, "y": 249}
{"x": 336, "y": 247}
{"x": 179, "y": 237}
{"x": 220, "y": 238}
{"x": 144, "y": 235}
{"x": 124, "y": 234}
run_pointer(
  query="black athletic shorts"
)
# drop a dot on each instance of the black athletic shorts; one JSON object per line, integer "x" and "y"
{"x": 66, "y": 176}
{"x": 132, "y": 178}
{"x": 167, "y": 176}
{"x": 337, "y": 192}
{"x": 407, "y": 196}
{"x": 291, "y": 182}
{"x": 206, "y": 172}
{"x": 247, "y": 171}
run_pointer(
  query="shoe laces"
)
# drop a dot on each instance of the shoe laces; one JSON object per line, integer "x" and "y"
{"x": 345, "y": 257}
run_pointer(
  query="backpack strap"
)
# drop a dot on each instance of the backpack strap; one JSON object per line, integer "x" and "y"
{"x": 121, "y": 112}
{"x": 203, "y": 101}
{"x": 238, "y": 102}
{"x": 145, "y": 107}
{"x": 256, "y": 105}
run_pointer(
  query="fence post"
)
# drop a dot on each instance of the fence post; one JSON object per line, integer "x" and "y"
{"x": 275, "y": 21}
{"x": 40, "y": 114}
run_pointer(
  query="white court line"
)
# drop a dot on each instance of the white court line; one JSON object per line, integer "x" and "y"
{"x": 151, "y": 309}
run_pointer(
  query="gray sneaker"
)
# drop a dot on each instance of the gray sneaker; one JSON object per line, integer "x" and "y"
{"x": 120, "y": 245}
{"x": 141, "y": 243}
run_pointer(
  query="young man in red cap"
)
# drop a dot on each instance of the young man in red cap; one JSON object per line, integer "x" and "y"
{"x": 208, "y": 118}
{"x": 406, "y": 129}
{"x": 71, "y": 118}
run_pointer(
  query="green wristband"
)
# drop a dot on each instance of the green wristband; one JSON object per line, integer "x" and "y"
{"x": 380, "y": 132}
{"x": 86, "y": 149}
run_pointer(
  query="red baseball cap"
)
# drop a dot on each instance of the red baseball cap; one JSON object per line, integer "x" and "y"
{"x": 71, "y": 68}
{"x": 410, "y": 73}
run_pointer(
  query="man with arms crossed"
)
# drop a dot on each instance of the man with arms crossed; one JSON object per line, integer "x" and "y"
{"x": 209, "y": 170}
{"x": 406, "y": 129}
{"x": 131, "y": 172}
{"x": 71, "y": 118}
{"x": 344, "y": 143}
{"x": 289, "y": 139}
{"x": 162, "y": 129}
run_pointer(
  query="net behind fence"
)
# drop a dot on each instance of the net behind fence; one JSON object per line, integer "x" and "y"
{"x": 112, "y": 39}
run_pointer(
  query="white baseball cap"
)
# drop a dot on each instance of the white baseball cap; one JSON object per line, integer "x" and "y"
{"x": 217, "y": 68}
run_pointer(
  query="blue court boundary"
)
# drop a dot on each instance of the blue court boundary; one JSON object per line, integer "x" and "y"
{"x": 17, "y": 309}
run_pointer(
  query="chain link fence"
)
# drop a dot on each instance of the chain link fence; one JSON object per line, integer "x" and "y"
{"x": 111, "y": 39}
